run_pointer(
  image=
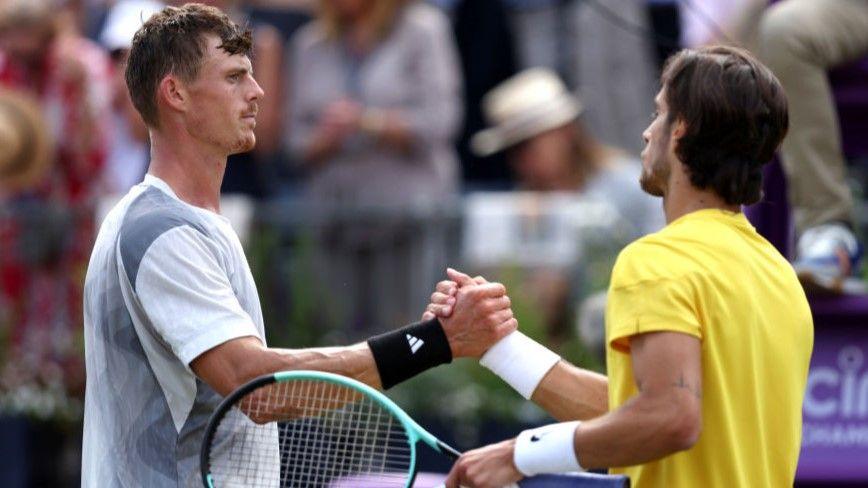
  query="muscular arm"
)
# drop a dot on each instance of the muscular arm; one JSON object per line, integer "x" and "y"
{"x": 663, "y": 418}
{"x": 482, "y": 317}
{"x": 235, "y": 362}
{"x": 570, "y": 393}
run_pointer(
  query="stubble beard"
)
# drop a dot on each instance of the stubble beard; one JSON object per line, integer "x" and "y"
{"x": 242, "y": 141}
{"x": 655, "y": 179}
{"x": 243, "y": 144}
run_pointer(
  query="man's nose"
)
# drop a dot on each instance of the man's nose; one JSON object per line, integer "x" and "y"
{"x": 257, "y": 93}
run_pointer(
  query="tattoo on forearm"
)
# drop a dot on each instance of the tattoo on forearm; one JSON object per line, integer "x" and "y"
{"x": 682, "y": 383}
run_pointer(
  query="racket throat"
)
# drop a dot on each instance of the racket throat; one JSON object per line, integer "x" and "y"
{"x": 448, "y": 450}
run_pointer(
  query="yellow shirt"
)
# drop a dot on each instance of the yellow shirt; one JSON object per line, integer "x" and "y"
{"x": 709, "y": 274}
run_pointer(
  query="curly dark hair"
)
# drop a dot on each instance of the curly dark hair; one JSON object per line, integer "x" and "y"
{"x": 735, "y": 113}
{"x": 173, "y": 41}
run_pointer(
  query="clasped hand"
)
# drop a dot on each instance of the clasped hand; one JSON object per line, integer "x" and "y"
{"x": 475, "y": 313}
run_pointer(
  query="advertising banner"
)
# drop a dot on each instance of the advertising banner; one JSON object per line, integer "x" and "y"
{"x": 835, "y": 410}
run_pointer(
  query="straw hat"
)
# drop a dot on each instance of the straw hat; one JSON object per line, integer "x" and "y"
{"x": 26, "y": 149}
{"x": 528, "y": 104}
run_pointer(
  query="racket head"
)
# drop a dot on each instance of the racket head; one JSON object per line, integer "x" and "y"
{"x": 308, "y": 429}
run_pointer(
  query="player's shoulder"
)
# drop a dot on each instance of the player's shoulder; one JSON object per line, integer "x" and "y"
{"x": 656, "y": 245}
{"x": 155, "y": 212}
{"x": 151, "y": 215}
{"x": 656, "y": 256}
{"x": 686, "y": 235}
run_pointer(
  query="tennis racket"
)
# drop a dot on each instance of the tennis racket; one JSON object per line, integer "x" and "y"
{"x": 310, "y": 429}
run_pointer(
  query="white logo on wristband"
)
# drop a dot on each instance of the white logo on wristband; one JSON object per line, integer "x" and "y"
{"x": 415, "y": 343}
{"x": 548, "y": 449}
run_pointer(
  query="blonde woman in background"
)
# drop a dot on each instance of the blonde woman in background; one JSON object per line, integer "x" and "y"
{"x": 374, "y": 104}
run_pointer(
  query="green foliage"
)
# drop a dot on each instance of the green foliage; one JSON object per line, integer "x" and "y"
{"x": 290, "y": 293}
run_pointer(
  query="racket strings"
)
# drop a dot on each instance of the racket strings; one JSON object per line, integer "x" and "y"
{"x": 309, "y": 434}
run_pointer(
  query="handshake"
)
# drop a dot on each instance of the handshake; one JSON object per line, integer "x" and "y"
{"x": 477, "y": 320}
{"x": 474, "y": 313}
{"x": 474, "y": 320}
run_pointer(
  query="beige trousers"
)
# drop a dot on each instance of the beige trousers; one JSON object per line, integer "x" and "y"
{"x": 800, "y": 40}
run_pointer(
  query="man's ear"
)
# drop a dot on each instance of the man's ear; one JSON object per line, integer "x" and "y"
{"x": 679, "y": 128}
{"x": 676, "y": 131}
{"x": 173, "y": 92}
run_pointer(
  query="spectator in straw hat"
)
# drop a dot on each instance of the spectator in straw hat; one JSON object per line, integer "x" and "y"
{"x": 537, "y": 121}
{"x": 25, "y": 145}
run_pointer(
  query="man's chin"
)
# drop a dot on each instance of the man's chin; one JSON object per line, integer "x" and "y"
{"x": 651, "y": 187}
{"x": 243, "y": 145}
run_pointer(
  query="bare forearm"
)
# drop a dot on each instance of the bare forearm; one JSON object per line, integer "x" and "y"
{"x": 570, "y": 393}
{"x": 642, "y": 430}
{"x": 354, "y": 361}
{"x": 231, "y": 364}
{"x": 663, "y": 418}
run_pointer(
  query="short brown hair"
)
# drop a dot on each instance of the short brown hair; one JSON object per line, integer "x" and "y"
{"x": 735, "y": 112}
{"x": 172, "y": 41}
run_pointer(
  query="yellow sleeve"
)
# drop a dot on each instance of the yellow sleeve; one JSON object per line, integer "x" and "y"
{"x": 662, "y": 304}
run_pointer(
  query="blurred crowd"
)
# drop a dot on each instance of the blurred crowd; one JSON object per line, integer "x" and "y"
{"x": 388, "y": 107}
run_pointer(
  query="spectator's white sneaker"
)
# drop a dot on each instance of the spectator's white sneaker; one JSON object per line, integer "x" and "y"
{"x": 827, "y": 258}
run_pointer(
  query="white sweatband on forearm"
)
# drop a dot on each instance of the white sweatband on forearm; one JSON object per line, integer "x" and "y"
{"x": 548, "y": 449}
{"x": 520, "y": 361}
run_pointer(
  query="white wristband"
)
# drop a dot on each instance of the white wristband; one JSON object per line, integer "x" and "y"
{"x": 548, "y": 449}
{"x": 520, "y": 361}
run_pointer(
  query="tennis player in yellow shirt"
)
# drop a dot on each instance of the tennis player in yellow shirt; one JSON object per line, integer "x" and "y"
{"x": 709, "y": 334}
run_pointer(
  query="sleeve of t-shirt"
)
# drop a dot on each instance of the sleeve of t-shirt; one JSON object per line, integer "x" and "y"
{"x": 187, "y": 296}
{"x": 641, "y": 301}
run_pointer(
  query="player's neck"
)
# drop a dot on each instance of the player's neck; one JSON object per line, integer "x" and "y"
{"x": 683, "y": 198}
{"x": 194, "y": 173}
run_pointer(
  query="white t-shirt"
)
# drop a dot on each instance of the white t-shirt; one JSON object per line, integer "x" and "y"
{"x": 166, "y": 282}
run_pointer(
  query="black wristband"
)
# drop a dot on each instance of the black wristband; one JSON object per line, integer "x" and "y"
{"x": 408, "y": 351}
